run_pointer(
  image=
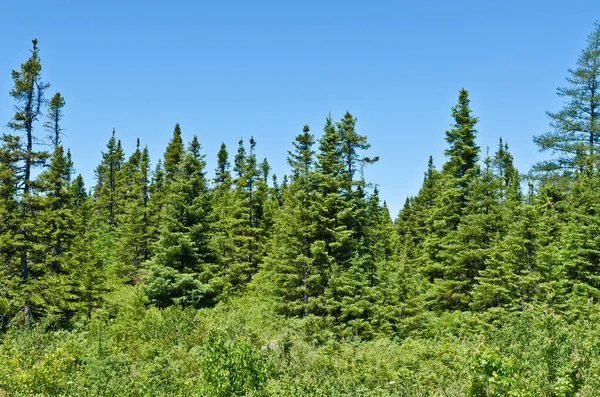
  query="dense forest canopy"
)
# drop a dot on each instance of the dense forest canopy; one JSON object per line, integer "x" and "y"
{"x": 483, "y": 255}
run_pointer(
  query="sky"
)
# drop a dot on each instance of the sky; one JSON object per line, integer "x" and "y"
{"x": 231, "y": 69}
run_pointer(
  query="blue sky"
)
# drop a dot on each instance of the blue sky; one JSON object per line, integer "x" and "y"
{"x": 232, "y": 69}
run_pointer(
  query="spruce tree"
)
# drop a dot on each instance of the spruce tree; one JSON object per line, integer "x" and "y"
{"x": 184, "y": 267}
{"x": 28, "y": 93}
{"x": 134, "y": 230}
{"x": 52, "y": 263}
{"x": 55, "y": 115}
{"x": 108, "y": 200}
{"x": 581, "y": 241}
{"x": 449, "y": 278}
{"x": 298, "y": 281}
{"x": 173, "y": 155}
{"x": 88, "y": 279}
{"x": 10, "y": 226}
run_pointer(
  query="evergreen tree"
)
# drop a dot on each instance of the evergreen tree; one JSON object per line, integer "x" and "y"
{"x": 222, "y": 173}
{"x": 87, "y": 284}
{"x": 183, "y": 269}
{"x": 173, "y": 155}
{"x": 109, "y": 203}
{"x": 575, "y": 133}
{"x": 449, "y": 278}
{"x": 28, "y": 93}
{"x": 10, "y": 226}
{"x": 55, "y": 115}
{"x": 134, "y": 231}
{"x": 581, "y": 241}
{"x": 52, "y": 263}
{"x": 299, "y": 282}
{"x": 156, "y": 199}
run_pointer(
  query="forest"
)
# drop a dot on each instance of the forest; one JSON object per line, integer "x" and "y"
{"x": 164, "y": 278}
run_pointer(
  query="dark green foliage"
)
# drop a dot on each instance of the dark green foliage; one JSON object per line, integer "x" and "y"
{"x": 175, "y": 283}
{"x": 135, "y": 229}
{"x": 108, "y": 191}
{"x": 183, "y": 269}
{"x": 451, "y": 276}
{"x": 581, "y": 241}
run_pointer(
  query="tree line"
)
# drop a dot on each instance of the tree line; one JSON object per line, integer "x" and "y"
{"x": 478, "y": 236}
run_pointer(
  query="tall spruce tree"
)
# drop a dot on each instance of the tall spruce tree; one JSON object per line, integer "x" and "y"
{"x": 184, "y": 267}
{"x": 298, "y": 281}
{"x": 444, "y": 272}
{"x": 28, "y": 94}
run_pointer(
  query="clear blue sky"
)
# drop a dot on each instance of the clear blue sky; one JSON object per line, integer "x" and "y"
{"x": 229, "y": 69}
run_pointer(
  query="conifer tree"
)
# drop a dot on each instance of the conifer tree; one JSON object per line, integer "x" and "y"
{"x": 52, "y": 263}
{"x": 222, "y": 172}
{"x": 9, "y": 229}
{"x": 183, "y": 269}
{"x": 173, "y": 155}
{"x": 157, "y": 193}
{"x": 575, "y": 133}
{"x": 109, "y": 204}
{"x": 248, "y": 232}
{"x": 134, "y": 231}
{"x": 55, "y": 115}
{"x": 581, "y": 241}
{"x": 340, "y": 210}
{"x": 411, "y": 223}
{"x": 448, "y": 277}
{"x": 298, "y": 280}
{"x": 87, "y": 283}
{"x": 28, "y": 93}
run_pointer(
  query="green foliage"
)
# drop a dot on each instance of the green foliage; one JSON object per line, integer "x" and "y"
{"x": 168, "y": 284}
{"x": 184, "y": 269}
{"x": 575, "y": 134}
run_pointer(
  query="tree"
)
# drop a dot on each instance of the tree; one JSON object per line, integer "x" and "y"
{"x": 184, "y": 267}
{"x": 575, "y": 133}
{"x": 55, "y": 115}
{"x": 222, "y": 173}
{"x": 56, "y": 232}
{"x": 298, "y": 281}
{"x": 173, "y": 155}
{"x": 10, "y": 245}
{"x": 581, "y": 241}
{"x": 134, "y": 230}
{"x": 87, "y": 282}
{"x": 28, "y": 93}
{"x": 109, "y": 203}
{"x": 457, "y": 177}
